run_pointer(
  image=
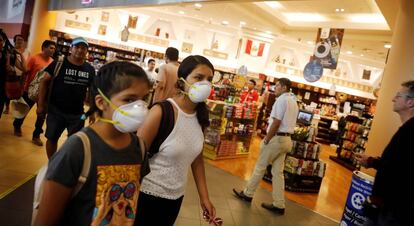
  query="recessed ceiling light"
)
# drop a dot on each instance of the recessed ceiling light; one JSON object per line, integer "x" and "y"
{"x": 342, "y": 10}
{"x": 362, "y": 55}
{"x": 339, "y": 10}
{"x": 225, "y": 22}
{"x": 274, "y": 4}
{"x": 181, "y": 12}
{"x": 254, "y": 28}
{"x": 198, "y": 5}
{"x": 243, "y": 23}
{"x": 387, "y": 46}
{"x": 310, "y": 42}
{"x": 349, "y": 52}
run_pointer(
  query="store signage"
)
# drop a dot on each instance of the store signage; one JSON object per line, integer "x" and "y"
{"x": 328, "y": 46}
{"x": 86, "y": 2}
{"x": 77, "y": 25}
{"x": 313, "y": 71}
{"x": 215, "y": 54}
{"x": 149, "y": 40}
{"x": 254, "y": 48}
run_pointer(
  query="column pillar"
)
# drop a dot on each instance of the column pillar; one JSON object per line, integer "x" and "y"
{"x": 400, "y": 68}
{"x": 42, "y": 22}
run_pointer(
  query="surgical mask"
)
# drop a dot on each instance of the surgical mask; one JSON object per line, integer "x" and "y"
{"x": 127, "y": 118}
{"x": 199, "y": 91}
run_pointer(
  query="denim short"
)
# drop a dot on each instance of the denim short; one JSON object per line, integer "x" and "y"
{"x": 57, "y": 122}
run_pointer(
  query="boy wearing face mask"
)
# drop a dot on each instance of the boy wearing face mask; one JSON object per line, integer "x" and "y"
{"x": 164, "y": 188}
{"x": 118, "y": 159}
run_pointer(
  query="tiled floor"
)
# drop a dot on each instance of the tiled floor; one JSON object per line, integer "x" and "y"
{"x": 20, "y": 160}
{"x": 15, "y": 208}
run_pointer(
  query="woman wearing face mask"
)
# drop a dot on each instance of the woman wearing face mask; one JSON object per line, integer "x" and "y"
{"x": 162, "y": 190}
{"x": 109, "y": 195}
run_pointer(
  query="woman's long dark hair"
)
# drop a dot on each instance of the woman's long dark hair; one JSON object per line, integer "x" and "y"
{"x": 185, "y": 68}
{"x": 112, "y": 78}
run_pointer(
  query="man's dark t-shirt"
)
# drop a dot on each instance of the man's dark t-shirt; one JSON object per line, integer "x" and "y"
{"x": 70, "y": 85}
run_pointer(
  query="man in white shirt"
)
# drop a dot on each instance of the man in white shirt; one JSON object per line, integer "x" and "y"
{"x": 151, "y": 74}
{"x": 274, "y": 147}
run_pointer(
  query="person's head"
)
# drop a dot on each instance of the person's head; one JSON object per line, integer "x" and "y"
{"x": 282, "y": 86}
{"x": 171, "y": 54}
{"x": 404, "y": 98}
{"x": 18, "y": 41}
{"x": 79, "y": 48}
{"x": 151, "y": 64}
{"x": 48, "y": 48}
{"x": 119, "y": 89}
{"x": 197, "y": 71}
{"x": 251, "y": 84}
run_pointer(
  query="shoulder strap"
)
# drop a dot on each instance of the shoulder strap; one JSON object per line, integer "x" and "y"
{"x": 142, "y": 147}
{"x": 166, "y": 126}
{"x": 55, "y": 74}
{"x": 86, "y": 162}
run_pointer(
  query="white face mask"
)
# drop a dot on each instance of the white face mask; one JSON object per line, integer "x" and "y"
{"x": 199, "y": 91}
{"x": 127, "y": 118}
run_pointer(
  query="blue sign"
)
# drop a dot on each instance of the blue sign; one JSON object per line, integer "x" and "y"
{"x": 313, "y": 71}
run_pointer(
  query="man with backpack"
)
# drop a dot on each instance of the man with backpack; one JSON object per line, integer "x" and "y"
{"x": 62, "y": 93}
{"x": 34, "y": 65}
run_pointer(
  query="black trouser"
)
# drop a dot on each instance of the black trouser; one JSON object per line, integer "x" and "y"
{"x": 2, "y": 96}
{"x": 153, "y": 210}
{"x": 17, "y": 123}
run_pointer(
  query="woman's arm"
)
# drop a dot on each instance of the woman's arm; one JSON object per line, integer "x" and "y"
{"x": 200, "y": 179}
{"x": 52, "y": 205}
{"x": 149, "y": 128}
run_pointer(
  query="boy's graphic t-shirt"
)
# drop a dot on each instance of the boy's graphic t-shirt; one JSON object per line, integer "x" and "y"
{"x": 110, "y": 194}
{"x": 70, "y": 86}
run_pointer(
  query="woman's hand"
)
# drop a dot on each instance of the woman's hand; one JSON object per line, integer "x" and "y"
{"x": 206, "y": 205}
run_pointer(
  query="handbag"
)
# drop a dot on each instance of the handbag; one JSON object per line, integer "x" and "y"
{"x": 14, "y": 85}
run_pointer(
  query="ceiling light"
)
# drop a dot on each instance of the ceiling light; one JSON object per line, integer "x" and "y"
{"x": 387, "y": 46}
{"x": 367, "y": 18}
{"x": 339, "y": 10}
{"x": 269, "y": 32}
{"x": 242, "y": 23}
{"x": 181, "y": 12}
{"x": 225, "y": 22}
{"x": 349, "y": 52}
{"x": 305, "y": 17}
{"x": 198, "y": 5}
{"x": 362, "y": 55}
{"x": 310, "y": 42}
{"x": 342, "y": 10}
{"x": 274, "y": 4}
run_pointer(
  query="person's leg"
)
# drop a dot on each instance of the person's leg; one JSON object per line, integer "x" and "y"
{"x": 148, "y": 210}
{"x": 284, "y": 145}
{"x": 2, "y": 100}
{"x": 7, "y": 103}
{"x": 266, "y": 153}
{"x": 55, "y": 125}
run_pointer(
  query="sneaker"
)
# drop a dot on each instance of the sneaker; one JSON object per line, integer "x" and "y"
{"x": 242, "y": 196}
{"x": 18, "y": 132}
{"x": 37, "y": 141}
{"x": 274, "y": 209}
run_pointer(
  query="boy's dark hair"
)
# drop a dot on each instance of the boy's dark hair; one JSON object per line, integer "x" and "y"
{"x": 47, "y": 43}
{"x": 112, "y": 78}
{"x": 15, "y": 37}
{"x": 151, "y": 60}
{"x": 410, "y": 86}
{"x": 172, "y": 53}
{"x": 285, "y": 82}
{"x": 185, "y": 68}
{"x": 253, "y": 81}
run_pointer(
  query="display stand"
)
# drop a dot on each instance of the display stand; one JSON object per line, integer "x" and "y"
{"x": 230, "y": 132}
{"x": 303, "y": 171}
{"x": 352, "y": 140}
{"x": 325, "y": 134}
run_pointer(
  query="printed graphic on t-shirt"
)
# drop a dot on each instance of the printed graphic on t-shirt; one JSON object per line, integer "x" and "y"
{"x": 75, "y": 77}
{"x": 116, "y": 195}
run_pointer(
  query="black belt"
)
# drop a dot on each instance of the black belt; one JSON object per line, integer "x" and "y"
{"x": 283, "y": 134}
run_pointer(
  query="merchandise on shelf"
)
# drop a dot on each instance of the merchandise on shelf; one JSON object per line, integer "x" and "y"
{"x": 353, "y": 137}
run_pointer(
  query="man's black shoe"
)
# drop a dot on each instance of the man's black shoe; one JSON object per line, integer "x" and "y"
{"x": 242, "y": 196}
{"x": 274, "y": 209}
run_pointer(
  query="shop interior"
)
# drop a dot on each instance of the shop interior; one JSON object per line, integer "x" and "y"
{"x": 260, "y": 41}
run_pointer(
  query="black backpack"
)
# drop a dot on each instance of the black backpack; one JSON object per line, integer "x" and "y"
{"x": 166, "y": 126}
